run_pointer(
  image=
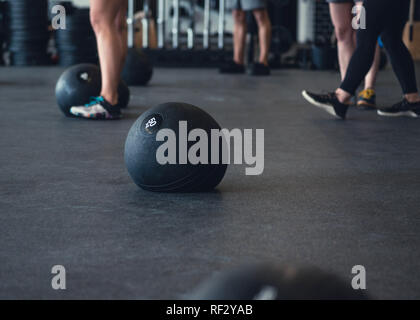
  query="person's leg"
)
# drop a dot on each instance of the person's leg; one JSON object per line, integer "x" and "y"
{"x": 264, "y": 33}
{"x": 360, "y": 63}
{"x": 341, "y": 16}
{"x": 106, "y": 20}
{"x": 370, "y": 79}
{"x": 362, "y": 59}
{"x": 121, "y": 25}
{"x": 237, "y": 64}
{"x": 104, "y": 15}
{"x": 239, "y": 36}
{"x": 401, "y": 60}
{"x": 367, "y": 97}
{"x": 402, "y": 64}
{"x": 336, "y": 103}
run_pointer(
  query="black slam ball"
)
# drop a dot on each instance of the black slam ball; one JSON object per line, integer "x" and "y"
{"x": 179, "y": 173}
{"x": 265, "y": 282}
{"x": 138, "y": 69}
{"x": 79, "y": 83}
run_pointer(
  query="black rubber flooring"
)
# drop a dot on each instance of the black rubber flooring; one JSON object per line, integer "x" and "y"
{"x": 333, "y": 194}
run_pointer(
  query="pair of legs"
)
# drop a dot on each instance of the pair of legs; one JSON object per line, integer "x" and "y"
{"x": 108, "y": 19}
{"x": 240, "y": 31}
{"x": 385, "y": 18}
{"x": 341, "y": 16}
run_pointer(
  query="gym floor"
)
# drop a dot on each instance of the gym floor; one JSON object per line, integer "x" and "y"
{"x": 333, "y": 194}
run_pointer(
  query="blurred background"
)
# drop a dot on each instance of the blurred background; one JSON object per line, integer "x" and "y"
{"x": 303, "y": 35}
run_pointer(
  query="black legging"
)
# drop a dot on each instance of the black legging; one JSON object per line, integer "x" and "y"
{"x": 385, "y": 18}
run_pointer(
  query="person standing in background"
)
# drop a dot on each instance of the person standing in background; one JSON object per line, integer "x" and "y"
{"x": 259, "y": 10}
{"x": 108, "y": 19}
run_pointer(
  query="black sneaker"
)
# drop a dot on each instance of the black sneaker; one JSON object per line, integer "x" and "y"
{"x": 232, "y": 67}
{"x": 258, "y": 69}
{"x": 401, "y": 109}
{"x": 327, "y": 102}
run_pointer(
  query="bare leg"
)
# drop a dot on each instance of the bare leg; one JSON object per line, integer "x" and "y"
{"x": 370, "y": 79}
{"x": 239, "y": 36}
{"x": 412, "y": 97}
{"x": 264, "y": 34}
{"x": 341, "y": 17}
{"x": 121, "y": 24}
{"x": 343, "y": 96}
{"x": 103, "y": 15}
